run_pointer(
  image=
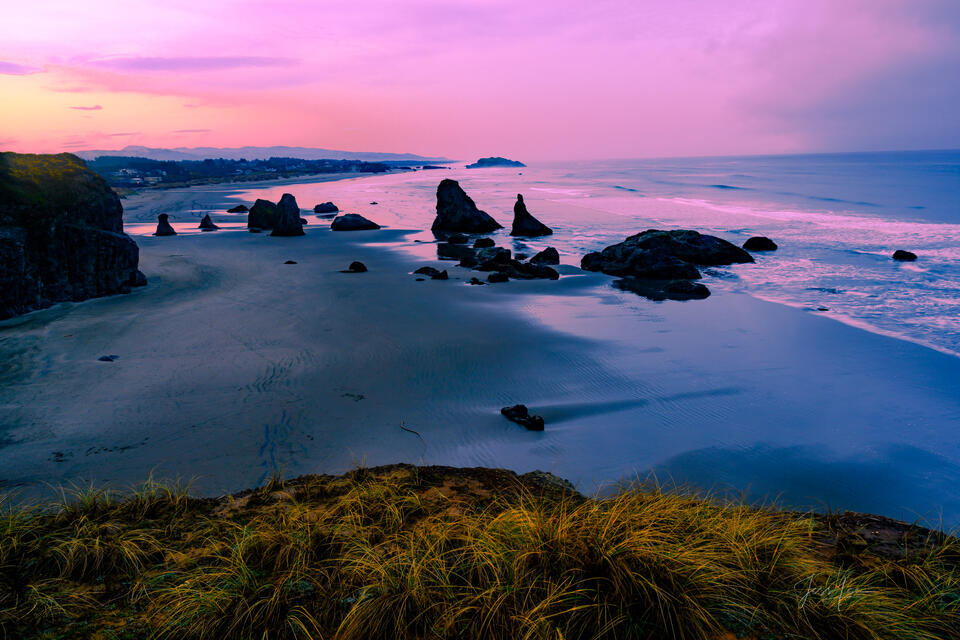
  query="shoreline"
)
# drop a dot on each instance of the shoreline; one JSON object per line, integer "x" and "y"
{"x": 318, "y": 369}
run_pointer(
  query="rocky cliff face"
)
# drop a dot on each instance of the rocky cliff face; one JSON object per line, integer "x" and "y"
{"x": 61, "y": 234}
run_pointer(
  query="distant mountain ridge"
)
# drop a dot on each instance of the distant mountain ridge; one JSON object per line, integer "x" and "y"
{"x": 254, "y": 153}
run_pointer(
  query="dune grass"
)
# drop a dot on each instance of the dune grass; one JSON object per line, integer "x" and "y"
{"x": 406, "y": 552}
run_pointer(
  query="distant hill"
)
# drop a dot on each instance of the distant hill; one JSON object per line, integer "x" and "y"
{"x": 254, "y": 153}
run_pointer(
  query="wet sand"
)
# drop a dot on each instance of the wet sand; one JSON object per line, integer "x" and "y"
{"x": 233, "y": 365}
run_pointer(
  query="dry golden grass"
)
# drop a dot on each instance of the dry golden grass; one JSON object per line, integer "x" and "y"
{"x": 405, "y": 552}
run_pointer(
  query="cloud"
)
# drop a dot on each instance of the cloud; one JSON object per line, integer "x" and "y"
{"x": 133, "y": 133}
{"x": 191, "y": 63}
{"x": 95, "y": 107}
{"x": 193, "y": 130}
{"x": 14, "y": 69}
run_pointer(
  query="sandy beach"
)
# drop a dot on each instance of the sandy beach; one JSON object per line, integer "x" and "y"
{"x": 232, "y": 366}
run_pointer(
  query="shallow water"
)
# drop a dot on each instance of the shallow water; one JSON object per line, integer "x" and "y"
{"x": 732, "y": 392}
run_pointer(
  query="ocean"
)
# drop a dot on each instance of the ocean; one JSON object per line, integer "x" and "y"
{"x": 837, "y": 218}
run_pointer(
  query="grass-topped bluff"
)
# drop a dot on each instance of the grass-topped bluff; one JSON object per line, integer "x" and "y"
{"x": 438, "y": 552}
{"x": 61, "y": 234}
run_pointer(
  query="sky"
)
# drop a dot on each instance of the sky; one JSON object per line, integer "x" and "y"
{"x": 534, "y": 80}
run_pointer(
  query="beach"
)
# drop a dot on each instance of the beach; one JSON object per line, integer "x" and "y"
{"x": 233, "y": 366}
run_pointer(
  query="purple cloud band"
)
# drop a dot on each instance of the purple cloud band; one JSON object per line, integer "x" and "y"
{"x": 198, "y": 63}
{"x": 192, "y": 130}
{"x": 95, "y": 107}
{"x": 14, "y": 69}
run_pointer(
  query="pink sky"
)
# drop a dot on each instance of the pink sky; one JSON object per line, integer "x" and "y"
{"x": 535, "y": 80}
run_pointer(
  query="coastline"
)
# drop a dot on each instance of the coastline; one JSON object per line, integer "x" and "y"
{"x": 314, "y": 370}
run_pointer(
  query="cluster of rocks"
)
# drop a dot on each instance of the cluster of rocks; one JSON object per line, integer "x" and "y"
{"x": 352, "y": 222}
{"x": 61, "y": 234}
{"x": 662, "y": 265}
{"x": 521, "y": 415}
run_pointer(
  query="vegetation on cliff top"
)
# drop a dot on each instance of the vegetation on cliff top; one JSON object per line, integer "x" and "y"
{"x": 435, "y": 552}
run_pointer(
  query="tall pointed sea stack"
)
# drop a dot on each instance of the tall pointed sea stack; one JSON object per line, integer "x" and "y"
{"x": 164, "y": 228}
{"x": 525, "y": 224}
{"x": 288, "y": 221}
{"x": 456, "y": 211}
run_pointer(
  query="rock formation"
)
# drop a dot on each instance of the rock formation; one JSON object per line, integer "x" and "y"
{"x": 353, "y": 222}
{"x": 483, "y": 243}
{"x": 240, "y": 208}
{"x": 263, "y": 215}
{"x": 521, "y": 415}
{"x": 288, "y": 218}
{"x": 525, "y": 224}
{"x": 61, "y": 234}
{"x": 325, "y": 207}
{"x": 665, "y": 257}
{"x": 206, "y": 224}
{"x": 904, "y": 256}
{"x": 357, "y": 267}
{"x": 547, "y": 256}
{"x": 163, "y": 226}
{"x": 494, "y": 161}
{"x": 456, "y": 211}
{"x": 760, "y": 243}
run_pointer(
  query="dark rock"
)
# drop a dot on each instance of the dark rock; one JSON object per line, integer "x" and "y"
{"x": 240, "y": 208}
{"x": 288, "y": 217}
{"x": 454, "y": 251}
{"x": 521, "y": 415}
{"x": 110, "y": 358}
{"x": 206, "y": 224}
{"x": 458, "y": 238}
{"x": 495, "y": 161}
{"x": 427, "y": 271}
{"x": 420, "y": 279}
{"x": 374, "y": 202}
{"x": 353, "y": 222}
{"x": 137, "y": 279}
{"x": 163, "y": 226}
{"x": 525, "y": 224}
{"x": 904, "y": 256}
{"x": 497, "y": 276}
{"x": 520, "y": 256}
{"x": 254, "y": 230}
{"x": 483, "y": 243}
{"x": 457, "y": 212}
{"x": 356, "y": 267}
{"x": 263, "y": 215}
{"x": 547, "y": 256}
{"x": 476, "y": 281}
{"x": 443, "y": 275}
{"x": 531, "y": 271}
{"x": 760, "y": 243}
{"x": 326, "y": 207}
{"x": 487, "y": 259}
{"x": 290, "y": 262}
{"x": 664, "y": 255}
{"x": 664, "y": 289}
{"x": 304, "y": 221}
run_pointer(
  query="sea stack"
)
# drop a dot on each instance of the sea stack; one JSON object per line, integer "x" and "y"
{"x": 61, "y": 234}
{"x": 206, "y": 224}
{"x": 263, "y": 215}
{"x": 288, "y": 217}
{"x": 456, "y": 211}
{"x": 163, "y": 226}
{"x": 525, "y": 224}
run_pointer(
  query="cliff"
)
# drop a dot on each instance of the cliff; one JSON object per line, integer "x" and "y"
{"x": 61, "y": 234}
{"x": 495, "y": 161}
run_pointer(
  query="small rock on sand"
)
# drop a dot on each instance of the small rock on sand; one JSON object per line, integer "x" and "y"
{"x": 356, "y": 267}
{"x": 521, "y": 415}
{"x": 904, "y": 256}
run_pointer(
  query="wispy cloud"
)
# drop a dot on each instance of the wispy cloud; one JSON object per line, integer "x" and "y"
{"x": 191, "y": 63}
{"x": 132, "y": 133}
{"x": 193, "y": 130}
{"x": 14, "y": 69}
{"x": 95, "y": 107}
